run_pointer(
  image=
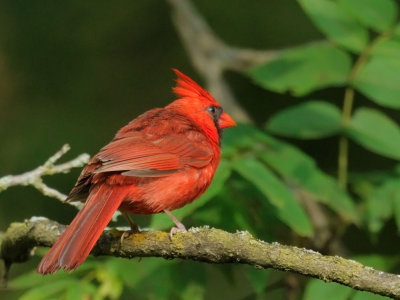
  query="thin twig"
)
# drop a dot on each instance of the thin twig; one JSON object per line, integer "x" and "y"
{"x": 34, "y": 177}
{"x": 348, "y": 103}
{"x": 207, "y": 245}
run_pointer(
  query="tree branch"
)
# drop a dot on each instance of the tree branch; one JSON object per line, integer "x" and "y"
{"x": 34, "y": 177}
{"x": 212, "y": 57}
{"x": 206, "y": 245}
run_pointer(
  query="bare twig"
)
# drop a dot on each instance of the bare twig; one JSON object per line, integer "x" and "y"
{"x": 206, "y": 245}
{"x": 34, "y": 177}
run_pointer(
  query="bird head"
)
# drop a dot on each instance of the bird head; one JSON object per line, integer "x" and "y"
{"x": 198, "y": 104}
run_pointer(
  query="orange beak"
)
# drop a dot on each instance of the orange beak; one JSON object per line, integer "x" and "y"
{"x": 225, "y": 121}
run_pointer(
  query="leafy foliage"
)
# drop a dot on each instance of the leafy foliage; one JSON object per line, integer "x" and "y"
{"x": 383, "y": 89}
{"x": 337, "y": 23}
{"x": 374, "y": 72}
{"x": 288, "y": 208}
{"x": 376, "y": 132}
{"x": 378, "y": 15}
{"x": 310, "y": 120}
{"x": 304, "y": 69}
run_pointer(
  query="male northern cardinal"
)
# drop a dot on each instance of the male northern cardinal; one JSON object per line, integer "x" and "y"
{"x": 161, "y": 161}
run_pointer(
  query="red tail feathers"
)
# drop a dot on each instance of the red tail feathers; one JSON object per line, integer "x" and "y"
{"x": 75, "y": 244}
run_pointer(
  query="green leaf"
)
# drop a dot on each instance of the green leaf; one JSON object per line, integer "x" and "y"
{"x": 309, "y": 120}
{"x": 162, "y": 221}
{"x": 295, "y": 166}
{"x": 376, "y": 132}
{"x": 387, "y": 48}
{"x": 232, "y": 208}
{"x": 380, "y": 204}
{"x": 317, "y": 290}
{"x": 376, "y": 14}
{"x": 301, "y": 170}
{"x": 378, "y": 79}
{"x": 289, "y": 209}
{"x": 384, "y": 203}
{"x": 336, "y": 23}
{"x": 304, "y": 69}
{"x": 243, "y": 138}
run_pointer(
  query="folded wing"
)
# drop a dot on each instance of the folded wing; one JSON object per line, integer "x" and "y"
{"x": 151, "y": 156}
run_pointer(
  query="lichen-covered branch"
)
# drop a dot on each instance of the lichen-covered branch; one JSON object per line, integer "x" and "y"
{"x": 207, "y": 245}
{"x": 34, "y": 177}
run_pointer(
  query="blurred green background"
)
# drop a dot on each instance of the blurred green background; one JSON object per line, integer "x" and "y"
{"x": 75, "y": 72}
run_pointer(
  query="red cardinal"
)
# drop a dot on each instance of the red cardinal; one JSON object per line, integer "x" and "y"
{"x": 161, "y": 161}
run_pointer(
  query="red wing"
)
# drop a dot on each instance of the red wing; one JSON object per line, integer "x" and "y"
{"x": 147, "y": 156}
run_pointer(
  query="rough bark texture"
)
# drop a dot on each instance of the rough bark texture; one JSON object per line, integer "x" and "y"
{"x": 207, "y": 245}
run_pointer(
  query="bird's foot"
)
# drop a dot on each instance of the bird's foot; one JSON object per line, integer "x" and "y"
{"x": 126, "y": 234}
{"x": 134, "y": 227}
{"x": 179, "y": 228}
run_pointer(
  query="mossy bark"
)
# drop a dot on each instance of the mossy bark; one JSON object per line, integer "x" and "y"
{"x": 207, "y": 245}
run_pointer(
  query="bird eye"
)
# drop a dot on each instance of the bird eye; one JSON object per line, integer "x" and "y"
{"x": 212, "y": 109}
{"x": 214, "y": 112}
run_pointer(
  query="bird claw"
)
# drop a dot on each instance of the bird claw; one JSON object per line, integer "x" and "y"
{"x": 134, "y": 227}
{"x": 124, "y": 235}
{"x": 128, "y": 233}
{"x": 179, "y": 228}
